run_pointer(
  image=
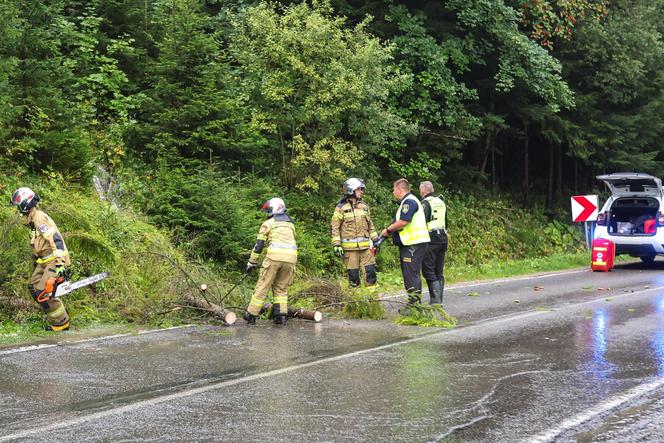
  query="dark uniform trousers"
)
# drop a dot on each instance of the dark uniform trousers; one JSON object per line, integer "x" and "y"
{"x": 434, "y": 261}
{"x": 411, "y": 266}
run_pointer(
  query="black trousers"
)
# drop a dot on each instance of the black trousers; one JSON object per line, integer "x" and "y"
{"x": 411, "y": 258}
{"x": 434, "y": 262}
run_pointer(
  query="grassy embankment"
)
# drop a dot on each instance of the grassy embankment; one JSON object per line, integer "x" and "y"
{"x": 150, "y": 274}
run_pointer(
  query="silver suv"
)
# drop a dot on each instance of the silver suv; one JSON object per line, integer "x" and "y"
{"x": 632, "y": 217}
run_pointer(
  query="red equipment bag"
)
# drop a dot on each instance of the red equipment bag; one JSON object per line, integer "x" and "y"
{"x": 649, "y": 226}
{"x": 604, "y": 252}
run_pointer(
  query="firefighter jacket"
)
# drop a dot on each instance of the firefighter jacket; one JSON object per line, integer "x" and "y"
{"x": 352, "y": 227}
{"x": 45, "y": 239}
{"x": 277, "y": 235}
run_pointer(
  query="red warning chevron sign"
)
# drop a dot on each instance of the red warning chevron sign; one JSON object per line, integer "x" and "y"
{"x": 584, "y": 208}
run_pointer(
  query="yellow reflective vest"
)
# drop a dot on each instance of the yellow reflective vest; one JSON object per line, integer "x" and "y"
{"x": 415, "y": 232}
{"x": 438, "y": 213}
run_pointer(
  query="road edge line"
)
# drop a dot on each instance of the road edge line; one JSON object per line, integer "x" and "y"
{"x": 599, "y": 409}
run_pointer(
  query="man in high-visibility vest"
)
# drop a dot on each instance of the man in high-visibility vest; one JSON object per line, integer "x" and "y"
{"x": 277, "y": 235}
{"x": 409, "y": 232}
{"x": 50, "y": 253}
{"x": 435, "y": 213}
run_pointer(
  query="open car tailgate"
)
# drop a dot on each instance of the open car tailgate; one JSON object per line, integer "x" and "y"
{"x": 632, "y": 184}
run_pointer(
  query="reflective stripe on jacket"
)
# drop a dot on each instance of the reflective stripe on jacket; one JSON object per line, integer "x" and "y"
{"x": 352, "y": 227}
{"x": 278, "y": 233}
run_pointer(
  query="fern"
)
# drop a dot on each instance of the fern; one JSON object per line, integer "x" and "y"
{"x": 429, "y": 316}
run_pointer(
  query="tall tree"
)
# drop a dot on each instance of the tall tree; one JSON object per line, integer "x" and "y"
{"x": 616, "y": 68}
{"x": 192, "y": 106}
{"x": 46, "y": 127}
{"x": 321, "y": 90}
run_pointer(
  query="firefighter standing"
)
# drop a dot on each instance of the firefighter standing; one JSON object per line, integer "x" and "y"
{"x": 435, "y": 213}
{"x": 353, "y": 233}
{"x": 277, "y": 235}
{"x": 50, "y": 252}
{"x": 409, "y": 232}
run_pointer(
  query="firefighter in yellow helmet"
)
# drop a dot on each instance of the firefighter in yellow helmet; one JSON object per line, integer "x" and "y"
{"x": 353, "y": 233}
{"x": 277, "y": 235}
{"x": 50, "y": 252}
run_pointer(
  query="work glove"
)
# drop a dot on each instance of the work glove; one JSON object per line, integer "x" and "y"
{"x": 250, "y": 266}
{"x": 338, "y": 251}
{"x": 60, "y": 271}
{"x": 376, "y": 244}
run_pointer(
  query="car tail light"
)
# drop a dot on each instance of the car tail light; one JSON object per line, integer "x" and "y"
{"x": 660, "y": 219}
{"x": 601, "y": 219}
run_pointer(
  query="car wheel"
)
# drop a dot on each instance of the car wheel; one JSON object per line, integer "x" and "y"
{"x": 648, "y": 258}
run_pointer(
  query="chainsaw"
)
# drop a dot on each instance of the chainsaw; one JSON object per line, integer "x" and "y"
{"x": 58, "y": 286}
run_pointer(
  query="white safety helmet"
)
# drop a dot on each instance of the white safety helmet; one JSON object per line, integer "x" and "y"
{"x": 351, "y": 185}
{"x": 25, "y": 199}
{"x": 274, "y": 206}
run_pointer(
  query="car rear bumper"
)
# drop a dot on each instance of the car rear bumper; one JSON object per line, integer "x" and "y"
{"x": 636, "y": 245}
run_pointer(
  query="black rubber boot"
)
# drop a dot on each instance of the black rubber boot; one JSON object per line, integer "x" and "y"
{"x": 250, "y": 318}
{"x": 354, "y": 277}
{"x": 435, "y": 292}
{"x": 279, "y": 318}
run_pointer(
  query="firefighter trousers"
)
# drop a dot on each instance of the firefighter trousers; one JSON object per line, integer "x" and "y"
{"x": 357, "y": 260}
{"x": 275, "y": 275}
{"x": 56, "y": 313}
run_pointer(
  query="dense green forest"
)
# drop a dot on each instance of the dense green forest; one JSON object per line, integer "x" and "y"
{"x": 193, "y": 112}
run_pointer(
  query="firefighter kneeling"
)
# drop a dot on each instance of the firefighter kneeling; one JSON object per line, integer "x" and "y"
{"x": 277, "y": 235}
{"x": 51, "y": 256}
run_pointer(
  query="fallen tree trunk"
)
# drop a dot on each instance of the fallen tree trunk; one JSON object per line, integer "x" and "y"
{"x": 225, "y": 315}
{"x": 298, "y": 313}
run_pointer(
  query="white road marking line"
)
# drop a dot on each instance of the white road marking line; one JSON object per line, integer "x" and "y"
{"x": 525, "y": 277}
{"x": 599, "y": 409}
{"x": 86, "y": 340}
{"x": 194, "y": 391}
{"x": 27, "y": 348}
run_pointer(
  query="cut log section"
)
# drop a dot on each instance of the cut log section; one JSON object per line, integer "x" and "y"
{"x": 225, "y": 315}
{"x": 316, "y": 316}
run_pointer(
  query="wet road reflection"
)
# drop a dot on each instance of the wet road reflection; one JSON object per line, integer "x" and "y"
{"x": 506, "y": 379}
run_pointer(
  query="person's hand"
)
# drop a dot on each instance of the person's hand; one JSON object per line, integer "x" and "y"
{"x": 376, "y": 244}
{"x": 384, "y": 233}
{"x": 250, "y": 266}
{"x": 339, "y": 251}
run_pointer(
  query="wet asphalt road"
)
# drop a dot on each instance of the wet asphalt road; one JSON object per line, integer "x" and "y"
{"x": 574, "y": 356}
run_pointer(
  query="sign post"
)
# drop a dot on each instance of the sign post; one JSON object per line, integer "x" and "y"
{"x": 585, "y": 209}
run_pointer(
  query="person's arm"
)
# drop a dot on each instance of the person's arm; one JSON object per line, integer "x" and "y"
{"x": 261, "y": 238}
{"x": 49, "y": 232}
{"x": 372, "y": 229}
{"x": 337, "y": 219}
{"x": 427, "y": 210}
{"x": 394, "y": 227}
